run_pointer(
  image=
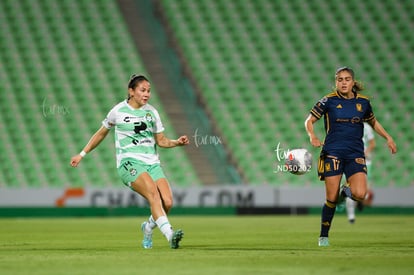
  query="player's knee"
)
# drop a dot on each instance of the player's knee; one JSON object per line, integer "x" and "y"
{"x": 359, "y": 195}
{"x": 168, "y": 203}
{"x": 152, "y": 195}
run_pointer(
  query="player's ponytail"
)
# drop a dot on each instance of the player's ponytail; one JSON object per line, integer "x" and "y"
{"x": 358, "y": 86}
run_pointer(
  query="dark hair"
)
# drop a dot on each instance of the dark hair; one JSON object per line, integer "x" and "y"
{"x": 357, "y": 85}
{"x": 134, "y": 81}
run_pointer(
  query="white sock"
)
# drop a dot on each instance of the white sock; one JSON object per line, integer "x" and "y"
{"x": 350, "y": 208}
{"x": 165, "y": 227}
{"x": 150, "y": 225}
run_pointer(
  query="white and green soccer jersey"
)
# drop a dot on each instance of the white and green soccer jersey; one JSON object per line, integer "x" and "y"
{"x": 134, "y": 132}
{"x": 368, "y": 135}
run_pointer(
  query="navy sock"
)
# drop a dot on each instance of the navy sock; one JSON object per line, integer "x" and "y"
{"x": 328, "y": 212}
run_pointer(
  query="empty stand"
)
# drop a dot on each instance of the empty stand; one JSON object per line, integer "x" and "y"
{"x": 261, "y": 65}
{"x": 64, "y": 64}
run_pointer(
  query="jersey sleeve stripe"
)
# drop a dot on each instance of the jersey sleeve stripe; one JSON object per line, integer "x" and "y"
{"x": 315, "y": 113}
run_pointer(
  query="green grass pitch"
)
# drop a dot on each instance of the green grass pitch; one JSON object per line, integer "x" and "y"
{"x": 211, "y": 245}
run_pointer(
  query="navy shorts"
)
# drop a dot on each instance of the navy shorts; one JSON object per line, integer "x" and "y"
{"x": 332, "y": 166}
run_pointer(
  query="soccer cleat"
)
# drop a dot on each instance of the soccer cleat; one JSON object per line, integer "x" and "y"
{"x": 323, "y": 241}
{"x": 340, "y": 207}
{"x": 346, "y": 191}
{"x": 340, "y": 204}
{"x": 176, "y": 238}
{"x": 147, "y": 241}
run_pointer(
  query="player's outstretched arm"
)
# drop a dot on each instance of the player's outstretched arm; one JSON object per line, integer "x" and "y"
{"x": 376, "y": 125}
{"x": 92, "y": 144}
{"x": 165, "y": 142}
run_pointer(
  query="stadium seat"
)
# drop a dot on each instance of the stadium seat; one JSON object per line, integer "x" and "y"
{"x": 65, "y": 64}
{"x": 260, "y": 66}
{"x": 271, "y": 65}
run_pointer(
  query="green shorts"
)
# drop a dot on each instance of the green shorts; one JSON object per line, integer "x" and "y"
{"x": 130, "y": 169}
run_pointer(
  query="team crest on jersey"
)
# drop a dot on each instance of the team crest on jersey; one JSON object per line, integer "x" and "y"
{"x": 359, "y": 107}
{"x": 133, "y": 172}
{"x": 148, "y": 117}
{"x": 339, "y": 106}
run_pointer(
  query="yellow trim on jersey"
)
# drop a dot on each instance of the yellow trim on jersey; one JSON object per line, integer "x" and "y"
{"x": 316, "y": 114}
{"x": 332, "y": 94}
{"x": 327, "y": 123}
{"x": 362, "y": 96}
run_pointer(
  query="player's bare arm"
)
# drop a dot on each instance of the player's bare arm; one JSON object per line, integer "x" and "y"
{"x": 314, "y": 140}
{"x": 376, "y": 125}
{"x": 92, "y": 144}
{"x": 165, "y": 142}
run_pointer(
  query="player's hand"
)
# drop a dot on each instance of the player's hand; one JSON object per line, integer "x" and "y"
{"x": 74, "y": 162}
{"x": 183, "y": 140}
{"x": 391, "y": 144}
{"x": 315, "y": 141}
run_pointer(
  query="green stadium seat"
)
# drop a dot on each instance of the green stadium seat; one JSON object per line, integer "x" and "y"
{"x": 290, "y": 50}
{"x": 260, "y": 72}
{"x": 71, "y": 54}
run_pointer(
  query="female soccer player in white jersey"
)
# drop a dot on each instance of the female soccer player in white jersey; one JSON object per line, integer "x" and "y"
{"x": 344, "y": 111}
{"x": 138, "y": 130}
{"x": 369, "y": 145}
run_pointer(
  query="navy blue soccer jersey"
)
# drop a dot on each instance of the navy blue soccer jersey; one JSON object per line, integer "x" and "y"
{"x": 344, "y": 127}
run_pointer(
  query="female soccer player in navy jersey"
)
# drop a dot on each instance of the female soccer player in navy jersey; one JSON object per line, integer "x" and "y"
{"x": 344, "y": 111}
